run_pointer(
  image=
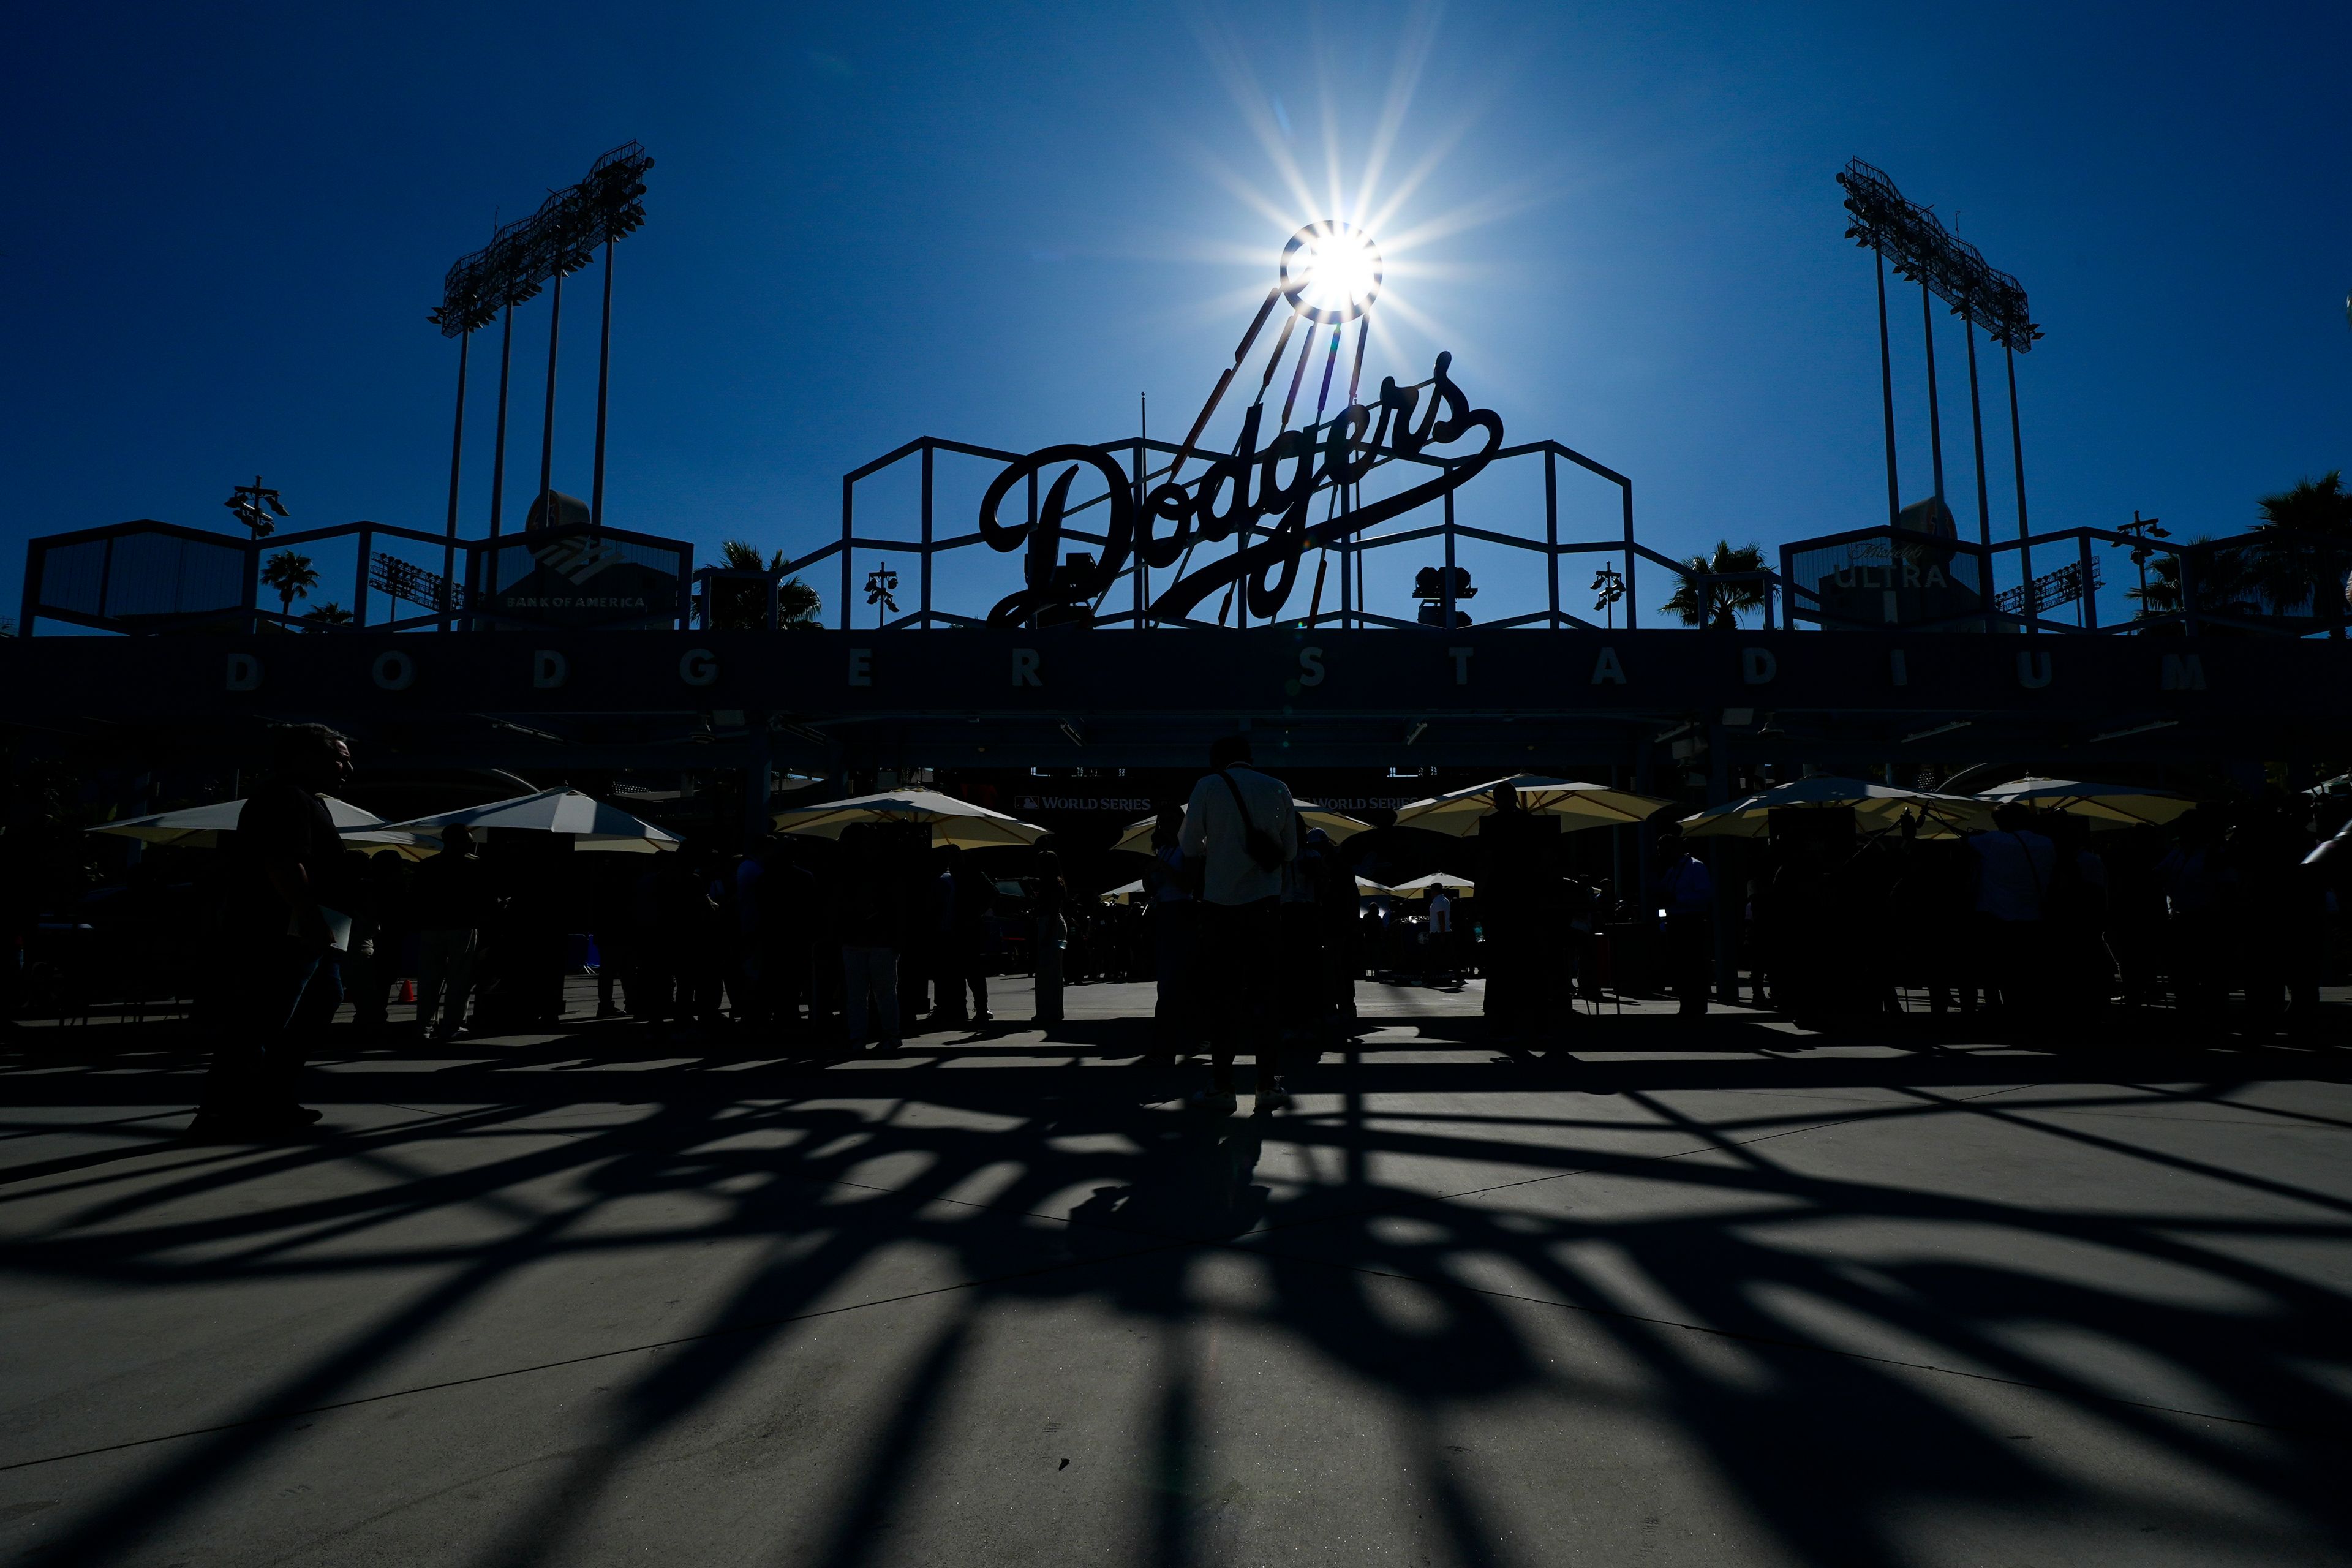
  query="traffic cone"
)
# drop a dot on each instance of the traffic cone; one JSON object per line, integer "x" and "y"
{"x": 408, "y": 990}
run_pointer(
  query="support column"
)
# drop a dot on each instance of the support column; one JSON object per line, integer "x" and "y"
{"x": 1886, "y": 395}
{"x": 1448, "y": 583}
{"x": 759, "y": 766}
{"x": 1935, "y": 403}
{"x": 1721, "y": 864}
{"x": 456, "y": 452}
{"x": 1551, "y": 532}
{"x": 1976, "y": 421}
{"x": 498, "y": 458}
{"x": 547, "y": 428}
{"x": 2017, "y": 460}
{"x": 603, "y": 386}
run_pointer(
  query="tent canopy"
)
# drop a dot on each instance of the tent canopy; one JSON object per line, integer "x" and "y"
{"x": 953, "y": 822}
{"x": 2102, "y": 804}
{"x": 1458, "y": 812}
{"x": 590, "y": 823}
{"x": 1137, "y": 838}
{"x": 1876, "y": 806}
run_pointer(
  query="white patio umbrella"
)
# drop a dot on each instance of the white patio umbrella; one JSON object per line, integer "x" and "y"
{"x": 953, "y": 822}
{"x": 1137, "y": 838}
{"x": 1122, "y": 895}
{"x": 1369, "y": 889}
{"x": 202, "y": 827}
{"x": 1876, "y": 806}
{"x": 1458, "y": 812}
{"x": 1422, "y": 887}
{"x": 590, "y": 823}
{"x": 2102, "y": 804}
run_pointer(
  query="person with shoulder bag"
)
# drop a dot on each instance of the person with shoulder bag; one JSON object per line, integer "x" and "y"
{"x": 1243, "y": 827}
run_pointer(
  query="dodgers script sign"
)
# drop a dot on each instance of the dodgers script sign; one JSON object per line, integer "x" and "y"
{"x": 1277, "y": 481}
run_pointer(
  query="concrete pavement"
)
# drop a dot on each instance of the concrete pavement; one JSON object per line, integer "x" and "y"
{"x": 1725, "y": 1293}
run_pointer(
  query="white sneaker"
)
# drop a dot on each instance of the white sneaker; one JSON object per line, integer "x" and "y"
{"x": 1272, "y": 1098}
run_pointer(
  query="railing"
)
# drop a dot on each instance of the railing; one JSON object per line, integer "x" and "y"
{"x": 1141, "y": 453}
{"x": 149, "y": 577}
{"x": 1930, "y": 584}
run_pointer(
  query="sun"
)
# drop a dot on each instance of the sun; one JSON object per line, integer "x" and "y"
{"x": 1332, "y": 271}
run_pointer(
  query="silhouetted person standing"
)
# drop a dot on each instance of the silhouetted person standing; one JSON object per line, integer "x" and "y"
{"x": 1687, "y": 890}
{"x": 1516, "y": 854}
{"x": 1052, "y": 935}
{"x": 873, "y": 926}
{"x": 2013, "y": 870}
{"x": 1242, "y": 825}
{"x": 282, "y": 927}
{"x": 452, "y": 895}
{"x": 970, "y": 894}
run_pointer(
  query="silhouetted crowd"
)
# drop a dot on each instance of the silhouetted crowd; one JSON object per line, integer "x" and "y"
{"x": 1252, "y": 928}
{"x": 2044, "y": 923}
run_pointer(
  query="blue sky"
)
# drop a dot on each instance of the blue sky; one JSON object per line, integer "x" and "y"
{"x": 1001, "y": 223}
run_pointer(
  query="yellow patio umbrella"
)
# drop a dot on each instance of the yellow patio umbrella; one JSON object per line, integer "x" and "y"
{"x": 1458, "y": 812}
{"x": 1137, "y": 838}
{"x": 1876, "y": 806}
{"x": 2102, "y": 804}
{"x": 953, "y": 822}
{"x": 1425, "y": 887}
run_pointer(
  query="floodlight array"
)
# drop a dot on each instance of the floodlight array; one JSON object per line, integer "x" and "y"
{"x": 561, "y": 237}
{"x": 1916, "y": 244}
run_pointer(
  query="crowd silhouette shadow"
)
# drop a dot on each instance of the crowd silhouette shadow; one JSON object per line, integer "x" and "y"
{"x": 1822, "y": 1433}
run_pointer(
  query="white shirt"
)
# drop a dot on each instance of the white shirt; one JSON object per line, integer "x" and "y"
{"x": 1213, "y": 828}
{"x": 1441, "y": 915}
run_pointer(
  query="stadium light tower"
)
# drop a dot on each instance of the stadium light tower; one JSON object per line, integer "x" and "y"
{"x": 561, "y": 237}
{"x": 1911, "y": 237}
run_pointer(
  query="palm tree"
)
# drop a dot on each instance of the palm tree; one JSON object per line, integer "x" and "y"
{"x": 2225, "y": 583}
{"x": 1717, "y": 604}
{"x": 743, "y": 607}
{"x": 329, "y": 614}
{"x": 2303, "y": 549}
{"x": 292, "y": 575}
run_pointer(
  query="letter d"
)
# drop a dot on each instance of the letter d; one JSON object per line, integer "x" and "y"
{"x": 244, "y": 672}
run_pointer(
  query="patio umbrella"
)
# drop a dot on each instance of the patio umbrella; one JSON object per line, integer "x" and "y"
{"x": 1422, "y": 887}
{"x": 1875, "y": 806}
{"x": 590, "y": 823}
{"x": 1137, "y": 838}
{"x": 1125, "y": 895}
{"x": 2102, "y": 804}
{"x": 201, "y": 827}
{"x": 953, "y": 822}
{"x": 1458, "y": 812}
{"x": 1365, "y": 890}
